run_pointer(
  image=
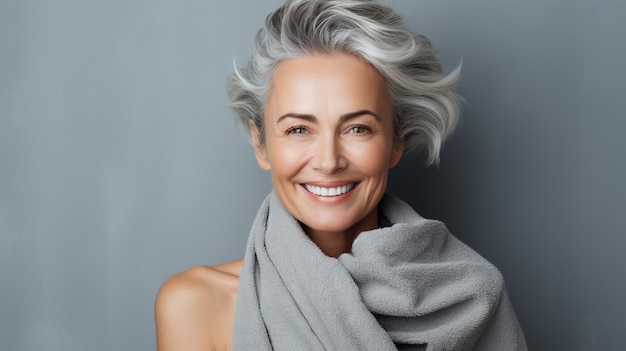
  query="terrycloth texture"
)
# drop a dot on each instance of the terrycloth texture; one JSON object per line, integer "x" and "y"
{"x": 411, "y": 286}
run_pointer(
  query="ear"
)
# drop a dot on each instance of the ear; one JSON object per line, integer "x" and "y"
{"x": 260, "y": 151}
{"x": 396, "y": 153}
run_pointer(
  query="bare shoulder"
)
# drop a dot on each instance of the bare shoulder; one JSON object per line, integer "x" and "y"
{"x": 194, "y": 309}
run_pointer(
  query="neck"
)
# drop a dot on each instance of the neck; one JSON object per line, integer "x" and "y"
{"x": 333, "y": 244}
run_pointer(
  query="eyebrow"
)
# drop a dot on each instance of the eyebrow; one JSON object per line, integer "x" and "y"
{"x": 342, "y": 118}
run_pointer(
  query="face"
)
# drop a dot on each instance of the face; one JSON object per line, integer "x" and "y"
{"x": 329, "y": 141}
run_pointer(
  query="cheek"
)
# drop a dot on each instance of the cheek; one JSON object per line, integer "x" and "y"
{"x": 373, "y": 159}
{"x": 286, "y": 159}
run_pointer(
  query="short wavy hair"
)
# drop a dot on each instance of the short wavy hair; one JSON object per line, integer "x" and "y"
{"x": 426, "y": 106}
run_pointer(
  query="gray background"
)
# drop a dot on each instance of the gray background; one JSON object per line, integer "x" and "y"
{"x": 120, "y": 164}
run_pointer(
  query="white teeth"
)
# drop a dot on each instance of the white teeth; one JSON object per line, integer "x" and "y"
{"x": 336, "y": 191}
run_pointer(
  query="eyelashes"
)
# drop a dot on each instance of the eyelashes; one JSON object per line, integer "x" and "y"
{"x": 353, "y": 129}
{"x": 296, "y": 130}
{"x": 359, "y": 129}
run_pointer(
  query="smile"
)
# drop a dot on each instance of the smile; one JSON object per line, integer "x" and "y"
{"x": 334, "y": 191}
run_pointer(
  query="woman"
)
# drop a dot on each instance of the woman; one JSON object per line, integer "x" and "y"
{"x": 333, "y": 95}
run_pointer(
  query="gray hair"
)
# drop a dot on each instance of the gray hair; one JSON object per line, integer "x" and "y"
{"x": 426, "y": 106}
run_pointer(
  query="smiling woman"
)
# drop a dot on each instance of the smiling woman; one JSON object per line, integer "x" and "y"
{"x": 329, "y": 159}
{"x": 333, "y": 95}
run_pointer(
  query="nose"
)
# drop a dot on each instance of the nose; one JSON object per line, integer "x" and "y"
{"x": 328, "y": 155}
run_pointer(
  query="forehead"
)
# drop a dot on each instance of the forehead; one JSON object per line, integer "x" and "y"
{"x": 333, "y": 83}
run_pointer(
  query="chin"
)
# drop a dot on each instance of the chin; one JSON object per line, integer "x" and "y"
{"x": 331, "y": 225}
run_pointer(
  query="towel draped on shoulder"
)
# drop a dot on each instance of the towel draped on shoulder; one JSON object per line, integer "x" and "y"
{"x": 409, "y": 286}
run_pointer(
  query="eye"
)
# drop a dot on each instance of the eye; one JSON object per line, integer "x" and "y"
{"x": 359, "y": 129}
{"x": 296, "y": 130}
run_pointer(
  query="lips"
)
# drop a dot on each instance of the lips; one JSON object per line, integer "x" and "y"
{"x": 329, "y": 191}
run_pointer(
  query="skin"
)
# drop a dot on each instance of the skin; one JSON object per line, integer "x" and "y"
{"x": 328, "y": 123}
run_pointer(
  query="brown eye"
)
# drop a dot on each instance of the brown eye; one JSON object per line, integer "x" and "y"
{"x": 296, "y": 130}
{"x": 359, "y": 130}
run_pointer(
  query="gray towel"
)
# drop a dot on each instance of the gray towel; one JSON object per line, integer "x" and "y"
{"x": 409, "y": 286}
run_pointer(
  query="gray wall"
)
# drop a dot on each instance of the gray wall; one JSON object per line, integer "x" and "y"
{"x": 120, "y": 165}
